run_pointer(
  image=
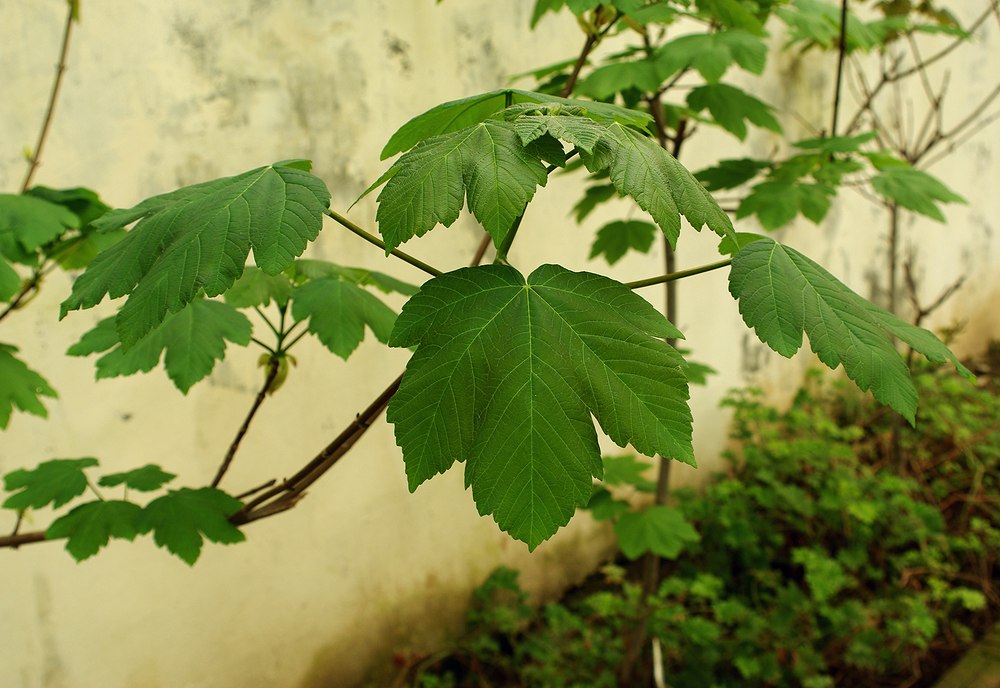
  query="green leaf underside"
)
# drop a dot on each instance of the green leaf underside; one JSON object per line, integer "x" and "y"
{"x": 20, "y": 387}
{"x": 659, "y": 529}
{"x": 777, "y": 202}
{"x": 728, "y": 174}
{"x": 194, "y": 338}
{"x": 628, "y": 470}
{"x": 54, "y": 482}
{"x": 459, "y": 114}
{"x": 198, "y": 238}
{"x": 90, "y": 526}
{"x": 146, "y": 479}
{"x": 494, "y": 166}
{"x": 182, "y": 519}
{"x": 76, "y": 252}
{"x": 10, "y": 281}
{"x": 257, "y": 288}
{"x": 506, "y": 375}
{"x": 782, "y": 294}
{"x": 338, "y": 311}
{"x": 915, "y": 190}
{"x": 28, "y": 223}
{"x": 616, "y": 238}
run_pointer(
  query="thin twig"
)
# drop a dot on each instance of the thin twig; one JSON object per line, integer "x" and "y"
{"x": 841, "y": 53}
{"x": 591, "y": 42}
{"x": 273, "y": 366}
{"x": 53, "y": 96}
{"x": 30, "y": 285}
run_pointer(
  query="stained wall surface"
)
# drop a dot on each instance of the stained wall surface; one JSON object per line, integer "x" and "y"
{"x": 162, "y": 94}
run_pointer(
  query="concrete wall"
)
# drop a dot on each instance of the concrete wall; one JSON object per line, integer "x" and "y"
{"x": 161, "y": 94}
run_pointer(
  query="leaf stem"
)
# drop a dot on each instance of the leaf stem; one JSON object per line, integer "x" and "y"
{"x": 508, "y": 239}
{"x": 277, "y": 332}
{"x": 680, "y": 274}
{"x": 263, "y": 346}
{"x": 272, "y": 373}
{"x": 289, "y": 345}
{"x": 372, "y": 239}
{"x": 53, "y": 96}
{"x": 841, "y": 53}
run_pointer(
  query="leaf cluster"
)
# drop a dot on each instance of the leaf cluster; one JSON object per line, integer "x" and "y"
{"x": 180, "y": 520}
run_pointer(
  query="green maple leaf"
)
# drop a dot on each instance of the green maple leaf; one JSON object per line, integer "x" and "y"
{"x": 506, "y": 375}
{"x": 616, "y": 238}
{"x": 711, "y": 54}
{"x": 486, "y": 162}
{"x": 193, "y": 339}
{"x": 257, "y": 288}
{"x": 836, "y": 144}
{"x": 20, "y": 387}
{"x": 338, "y": 311}
{"x": 198, "y": 238}
{"x": 728, "y": 174}
{"x": 592, "y": 197}
{"x": 915, "y": 190}
{"x": 732, "y": 13}
{"x": 79, "y": 248}
{"x": 628, "y": 470}
{"x": 616, "y": 77}
{"x": 661, "y": 530}
{"x": 465, "y": 112}
{"x": 182, "y": 519}
{"x": 28, "y": 223}
{"x": 497, "y": 165}
{"x": 732, "y": 108}
{"x": 783, "y": 295}
{"x": 89, "y": 527}
{"x": 146, "y": 479}
{"x": 52, "y": 482}
{"x": 604, "y": 507}
{"x": 10, "y": 281}
{"x": 776, "y": 202}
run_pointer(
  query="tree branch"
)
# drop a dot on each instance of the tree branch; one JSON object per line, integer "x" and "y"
{"x": 53, "y": 96}
{"x": 272, "y": 373}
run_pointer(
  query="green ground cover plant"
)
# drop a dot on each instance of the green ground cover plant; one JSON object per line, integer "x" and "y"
{"x": 817, "y": 559}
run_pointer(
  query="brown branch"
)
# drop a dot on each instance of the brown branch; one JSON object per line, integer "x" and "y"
{"x": 273, "y": 365}
{"x": 841, "y": 54}
{"x": 53, "y": 96}
{"x": 26, "y": 289}
{"x": 16, "y": 541}
{"x": 592, "y": 41}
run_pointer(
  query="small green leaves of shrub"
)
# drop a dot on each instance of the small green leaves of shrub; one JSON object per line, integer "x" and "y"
{"x": 20, "y": 387}
{"x": 10, "y": 281}
{"x": 189, "y": 341}
{"x": 661, "y": 530}
{"x": 182, "y": 519}
{"x": 89, "y": 527}
{"x": 76, "y": 250}
{"x": 54, "y": 482}
{"x": 198, "y": 238}
{"x": 507, "y": 373}
{"x": 782, "y": 294}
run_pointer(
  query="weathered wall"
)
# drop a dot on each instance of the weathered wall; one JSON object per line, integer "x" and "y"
{"x": 164, "y": 94}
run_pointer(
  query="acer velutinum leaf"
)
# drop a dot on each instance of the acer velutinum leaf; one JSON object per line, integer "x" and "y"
{"x": 90, "y": 526}
{"x": 28, "y": 223}
{"x": 20, "y": 387}
{"x": 146, "y": 479}
{"x": 182, "y": 519}
{"x": 338, "y": 311}
{"x": 10, "y": 281}
{"x": 52, "y": 482}
{"x": 783, "y": 295}
{"x": 198, "y": 238}
{"x": 486, "y": 161}
{"x": 193, "y": 338}
{"x": 507, "y": 375}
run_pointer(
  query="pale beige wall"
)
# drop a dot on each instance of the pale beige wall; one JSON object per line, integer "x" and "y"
{"x": 161, "y": 94}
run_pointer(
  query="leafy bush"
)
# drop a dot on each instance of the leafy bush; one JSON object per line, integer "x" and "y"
{"x": 823, "y": 558}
